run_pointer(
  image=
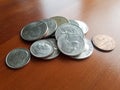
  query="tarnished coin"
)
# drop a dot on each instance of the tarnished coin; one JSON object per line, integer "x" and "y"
{"x": 41, "y": 49}
{"x": 17, "y": 58}
{"x": 103, "y": 42}
{"x": 81, "y": 24}
{"x": 60, "y": 20}
{"x": 52, "y": 25}
{"x": 88, "y": 50}
{"x": 68, "y": 29}
{"x": 71, "y": 45}
{"x": 34, "y": 31}
{"x": 56, "y": 51}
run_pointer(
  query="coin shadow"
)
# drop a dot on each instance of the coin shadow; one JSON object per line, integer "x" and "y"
{"x": 64, "y": 58}
{"x": 13, "y": 69}
{"x": 26, "y": 42}
{"x": 34, "y": 60}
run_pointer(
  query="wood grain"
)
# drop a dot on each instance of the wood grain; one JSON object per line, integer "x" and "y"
{"x": 99, "y": 72}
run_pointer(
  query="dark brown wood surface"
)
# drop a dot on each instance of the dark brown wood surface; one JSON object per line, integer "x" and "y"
{"x": 99, "y": 72}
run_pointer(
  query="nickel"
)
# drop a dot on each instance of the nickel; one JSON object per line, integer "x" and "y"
{"x": 103, "y": 42}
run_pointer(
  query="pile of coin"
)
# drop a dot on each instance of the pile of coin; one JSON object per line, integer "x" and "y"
{"x": 51, "y": 37}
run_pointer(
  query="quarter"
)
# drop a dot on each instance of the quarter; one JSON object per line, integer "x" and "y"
{"x": 88, "y": 50}
{"x": 34, "y": 31}
{"x": 56, "y": 51}
{"x": 81, "y": 24}
{"x": 18, "y": 58}
{"x": 51, "y": 24}
{"x": 68, "y": 29}
{"x": 71, "y": 45}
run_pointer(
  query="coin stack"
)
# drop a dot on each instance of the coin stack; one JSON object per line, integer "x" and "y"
{"x": 50, "y": 37}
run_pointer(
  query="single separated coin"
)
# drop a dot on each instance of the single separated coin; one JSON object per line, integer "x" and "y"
{"x": 68, "y": 28}
{"x": 88, "y": 50}
{"x": 41, "y": 49}
{"x": 60, "y": 20}
{"x": 17, "y": 58}
{"x": 34, "y": 31}
{"x": 81, "y": 24}
{"x": 103, "y": 42}
{"x": 52, "y": 25}
{"x": 56, "y": 51}
{"x": 71, "y": 45}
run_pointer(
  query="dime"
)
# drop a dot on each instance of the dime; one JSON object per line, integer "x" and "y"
{"x": 103, "y": 42}
{"x": 71, "y": 45}
{"x": 52, "y": 25}
{"x": 41, "y": 49}
{"x": 60, "y": 20}
{"x": 68, "y": 29}
{"x": 88, "y": 50}
{"x": 56, "y": 51}
{"x": 81, "y": 24}
{"x": 34, "y": 31}
{"x": 18, "y": 58}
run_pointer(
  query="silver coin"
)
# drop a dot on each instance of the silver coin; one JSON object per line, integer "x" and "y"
{"x": 34, "y": 31}
{"x": 41, "y": 49}
{"x": 60, "y": 20}
{"x": 71, "y": 45}
{"x": 56, "y": 51}
{"x": 83, "y": 26}
{"x": 52, "y": 25}
{"x": 87, "y": 51}
{"x": 18, "y": 58}
{"x": 73, "y": 22}
{"x": 68, "y": 29}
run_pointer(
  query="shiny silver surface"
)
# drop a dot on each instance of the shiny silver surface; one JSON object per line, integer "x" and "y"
{"x": 41, "y": 49}
{"x": 52, "y": 25}
{"x": 68, "y": 29}
{"x": 88, "y": 50}
{"x": 83, "y": 26}
{"x": 70, "y": 45}
{"x": 56, "y": 51}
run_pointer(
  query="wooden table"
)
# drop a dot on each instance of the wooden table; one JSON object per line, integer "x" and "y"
{"x": 99, "y": 72}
